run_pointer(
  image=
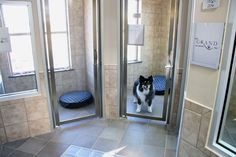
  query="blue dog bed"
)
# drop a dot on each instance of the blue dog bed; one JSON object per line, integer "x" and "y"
{"x": 75, "y": 99}
{"x": 159, "y": 82}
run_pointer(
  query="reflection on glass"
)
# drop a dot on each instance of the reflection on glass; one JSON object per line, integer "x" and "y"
{"x": 60, "y": 51}
{"x": 57, "y": 15}
{"x": 21, "y": 56}
{"x": 17, "y": 70}
{"x": 13, "y": 12}
{"x": 228, "y": 132}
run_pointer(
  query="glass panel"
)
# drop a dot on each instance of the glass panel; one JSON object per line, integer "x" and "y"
{"x": 15, "y": 66}
{"x": 145, "y": 97}
{"x": 21, "y": 56}
{"x": 81, "y": 77}
{"x": 228, "y": 132}
{"x": 132, "y": 9}
{"x": 16, "y": 18}
{"x": 57, "y": 14}
{"x": 60, "y": 50}
{"x": 132, "y": 53}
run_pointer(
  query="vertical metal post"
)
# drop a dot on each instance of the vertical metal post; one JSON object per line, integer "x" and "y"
{"x": 123, "y": 55}
{"x": 97, "y": 56}
{"x": 50, "y": 65}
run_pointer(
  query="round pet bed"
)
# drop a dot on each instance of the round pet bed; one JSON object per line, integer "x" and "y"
{"x": 75, "y": 99}
{"x": 159, "y": 82}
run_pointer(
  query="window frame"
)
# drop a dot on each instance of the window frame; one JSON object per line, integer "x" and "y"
{"x": 36, "y": 91}
{"x": 227, "y": 72}
{"x": 31, "y": 34}
{"x": 67, "y": 33}
{"x": 138, "y": 48}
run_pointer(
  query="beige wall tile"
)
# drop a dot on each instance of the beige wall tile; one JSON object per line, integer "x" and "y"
{"x": 12, "y": 114}
{"x": 37, "y": 109}
{"x": 3, "y": 137}
{"x": 1, "y": 121}
{"x": 186, "y": 150}
{"x": 17, "y": 131}
{"x": 193, "y": 107}
{"x": 38, "y": 127}
{"x": 190, "y": 128}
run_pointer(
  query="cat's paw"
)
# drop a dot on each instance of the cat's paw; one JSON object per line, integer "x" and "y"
{"x": 150, "y": 109}
{"x": 138, "y": 108}
{"x": 135, "y": 100}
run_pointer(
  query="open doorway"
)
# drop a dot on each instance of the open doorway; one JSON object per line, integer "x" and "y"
{"x": 148, "y": 57}
{"x": 73, "y": 58}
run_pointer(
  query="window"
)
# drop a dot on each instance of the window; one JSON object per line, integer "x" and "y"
{"x": 59, "y": 34}
{"x": 134, "y": 17}
{"x": 21, "y": 56}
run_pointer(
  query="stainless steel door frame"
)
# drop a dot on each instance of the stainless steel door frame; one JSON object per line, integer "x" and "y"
{"x": 49, "y": 62}
{"x": 170, "y": 68}
{"x": 123, "y": 56}
{"x": 50, "y": 65}
{"x": 97, "y": 56}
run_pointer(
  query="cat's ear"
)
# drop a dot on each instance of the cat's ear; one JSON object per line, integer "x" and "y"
{"x": 141, "y": 78}
{"x": 150, "y": 78}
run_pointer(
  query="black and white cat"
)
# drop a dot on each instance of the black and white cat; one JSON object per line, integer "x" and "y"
{"x": 143, "y": 92}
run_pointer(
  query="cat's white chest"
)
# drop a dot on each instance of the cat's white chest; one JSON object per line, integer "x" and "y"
{"x": 140, "y": 94}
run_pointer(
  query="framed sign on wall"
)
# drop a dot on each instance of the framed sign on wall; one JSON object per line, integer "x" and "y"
{"x": 207, "y": 44}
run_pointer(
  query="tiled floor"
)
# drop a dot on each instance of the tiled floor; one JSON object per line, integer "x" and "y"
{"x": 98, "y": 138}
{"x": 65, "y": 113}
{"x": 157, "y": 106}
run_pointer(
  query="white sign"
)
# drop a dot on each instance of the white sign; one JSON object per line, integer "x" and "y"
{"x": 210, "y": 4}
{"x": 207, "y": 43}
{"x": 136, "y": 35}
{"x": 5, "y": 43}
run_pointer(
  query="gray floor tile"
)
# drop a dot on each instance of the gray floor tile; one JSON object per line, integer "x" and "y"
{"x": 120, "y": 124}
{"x": 20, "y": 154}
{"x": 133, "y": 137}
{"x": 138, "y": 120}
{"x": 90, "y": 130}
{"x": 142, "y": 127}
{"x": 105, "y": 145}
{"x": 84, "y": 152}
{"x": 171, "y": 142}
{"x": 112, "y": 133}
{"x": 99, "y": 122}
{"x": 5, "y": 151}
{"x": 15, "y": 144}
{"x": 170, "y": 153}
{"x": 151, "y": 151}
{"x": 71, "y": 151}
{"x": 129, "y": 150}
{"x": 32, "y": 146}
{"x": 96, "y": 153}
{"x": 64, "y": 136}
{"x": 84, "y": 141}
{"x": 154, "y": 128}
{"x": 53, "y": 150}
{"x": 158, "y": 140}
{"x": 46, "y": 137}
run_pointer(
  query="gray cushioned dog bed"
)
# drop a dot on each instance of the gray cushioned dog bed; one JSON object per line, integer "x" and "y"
{"x": 75, "y": 99}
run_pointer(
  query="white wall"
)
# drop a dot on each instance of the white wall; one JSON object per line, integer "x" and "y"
{"x": 202, "y": 82}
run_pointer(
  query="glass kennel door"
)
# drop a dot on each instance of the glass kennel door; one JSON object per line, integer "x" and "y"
{"x": 147, "y": 49}
{"x": 73, "y": 56}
